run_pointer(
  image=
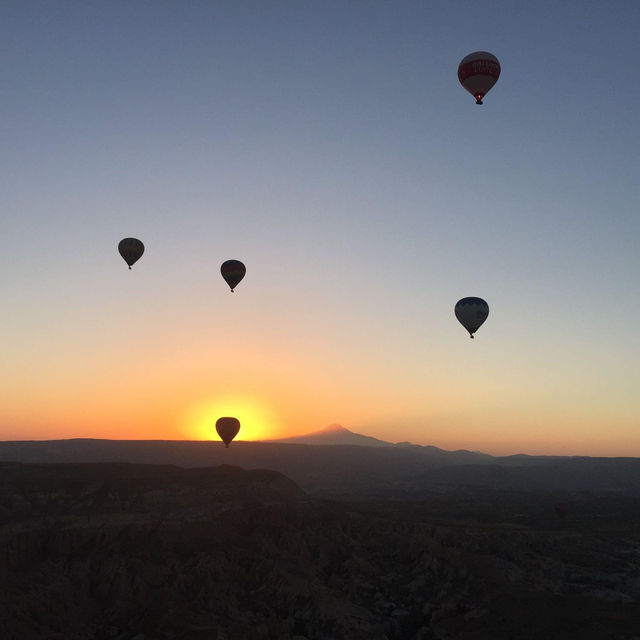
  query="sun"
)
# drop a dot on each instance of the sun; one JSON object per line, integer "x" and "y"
{"x": 257, "y": 420}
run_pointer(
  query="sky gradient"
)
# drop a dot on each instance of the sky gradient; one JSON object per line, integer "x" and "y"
{"x": 330, "y": 147}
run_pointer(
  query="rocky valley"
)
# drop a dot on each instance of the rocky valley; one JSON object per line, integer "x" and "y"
{"x": 159, "y": 552}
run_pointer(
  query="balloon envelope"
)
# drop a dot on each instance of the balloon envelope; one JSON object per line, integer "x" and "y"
{"x": 131, "y": 249}
{"x": 233, "y": 271}
{"x": 471, "y": 313}
{"x": 478, "y": 72}
{"x": 227, "y": 429}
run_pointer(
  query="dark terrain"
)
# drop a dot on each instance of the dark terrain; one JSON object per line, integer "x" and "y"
{"x": 346, "y": 469}
{"x": 132, "y": 551}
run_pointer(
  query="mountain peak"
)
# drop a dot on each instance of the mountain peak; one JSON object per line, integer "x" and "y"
{"x": 334, "y": 428}
{"x": 335, "y": 434}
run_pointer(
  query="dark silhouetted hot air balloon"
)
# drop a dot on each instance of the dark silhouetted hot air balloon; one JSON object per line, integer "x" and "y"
{"x": 233, "y": 271}
{"x": 478, "y": 72}
{"x": 227, "y": 429}
{"x": 471, "y": 313}
{"x": 131, "y": 249}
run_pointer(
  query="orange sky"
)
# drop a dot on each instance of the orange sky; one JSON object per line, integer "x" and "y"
{"x": 177, "y": 391}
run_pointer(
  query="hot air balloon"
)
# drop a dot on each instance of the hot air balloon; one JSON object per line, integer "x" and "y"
{"x": 131, "y": 249}
{"x": 233, "y": 271}
{"x": 227, "y": 429}
{"x": 478, "y": 72}
{"x": 471, "y": 313}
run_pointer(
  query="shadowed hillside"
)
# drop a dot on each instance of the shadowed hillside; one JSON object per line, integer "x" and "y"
{"x": 134, "y": 552}
{"x": 322, "y": 468}
{"x": 333, "y": 470}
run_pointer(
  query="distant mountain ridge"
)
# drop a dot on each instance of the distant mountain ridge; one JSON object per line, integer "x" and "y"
{"x": 334, "y": 434}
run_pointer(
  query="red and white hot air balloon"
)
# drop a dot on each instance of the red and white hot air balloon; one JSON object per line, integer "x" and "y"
{"x": 478, "y": 72}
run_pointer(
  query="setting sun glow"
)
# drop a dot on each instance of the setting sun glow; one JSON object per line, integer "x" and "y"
{"x": 257, "y": 421}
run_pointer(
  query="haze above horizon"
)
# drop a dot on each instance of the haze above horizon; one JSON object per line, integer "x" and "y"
{"x": 330, "y": 148}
